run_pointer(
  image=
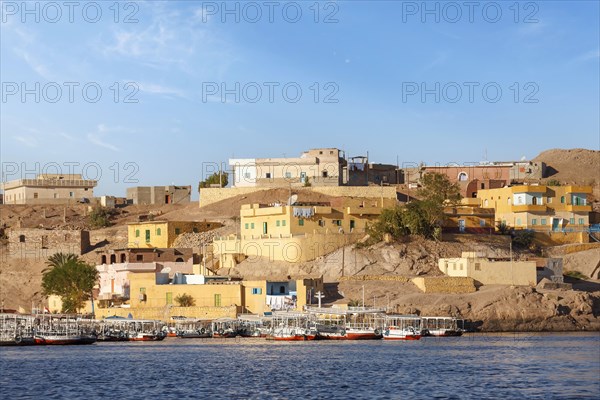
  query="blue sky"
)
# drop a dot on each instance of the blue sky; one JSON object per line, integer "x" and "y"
{"x": 373, "y": 57}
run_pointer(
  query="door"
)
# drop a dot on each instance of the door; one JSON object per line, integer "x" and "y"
{"x": 265, "y": 228}
{"x": 461, "y": 225}
{"x": 555, "y": 224}
{"x": 147, "y": 235}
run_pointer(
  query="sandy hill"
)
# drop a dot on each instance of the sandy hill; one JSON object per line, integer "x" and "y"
{"x": 572, "y": 166}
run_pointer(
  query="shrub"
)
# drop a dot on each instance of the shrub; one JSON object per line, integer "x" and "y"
{"x": 185, "y": 300}
{"x": 99, "y": 217}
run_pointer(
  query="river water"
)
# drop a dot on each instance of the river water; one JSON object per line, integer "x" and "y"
{"x": 543, "y": 366}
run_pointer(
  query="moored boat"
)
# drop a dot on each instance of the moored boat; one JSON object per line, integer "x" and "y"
{"x": 402, "y": 327}
{"x": 290, "y": 326}
{"x": 440, "y": 327}
{"x": 354, "y": 323}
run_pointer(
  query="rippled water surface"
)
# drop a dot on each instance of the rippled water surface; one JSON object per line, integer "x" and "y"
{"x": 474, "y": 366}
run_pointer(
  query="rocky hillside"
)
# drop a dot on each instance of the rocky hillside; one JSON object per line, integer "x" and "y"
{"x": 572, "y": 166}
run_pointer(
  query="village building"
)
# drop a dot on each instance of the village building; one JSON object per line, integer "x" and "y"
{"x": 490, "y": 270}
{"x": 115, "y": 267}
{"x": 162, "y": 234}
{"x": 482, "y": 176}
{"x": 298, "y": 232}
{"x": 34, "y": 243}
{"x": 151, "y": 290}
{"x": 317, "y": 167}
{"x": 468, "y": 217}
{"x": 145, "y": 195}
{"x": 49, "y": 189}
{"x": 540, "y": 208}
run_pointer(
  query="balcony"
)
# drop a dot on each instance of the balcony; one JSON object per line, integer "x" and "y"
{"x": 363, "y": 210}
{"x": 578, "y": 189}
{"x": 578, "y": 208}
{"x": 529, "y": 208}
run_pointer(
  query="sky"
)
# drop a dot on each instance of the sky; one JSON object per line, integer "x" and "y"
{"x": 160, "y": 93}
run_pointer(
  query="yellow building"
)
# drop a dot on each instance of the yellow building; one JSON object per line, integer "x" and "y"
{"x": 298, "y": 233}
{"x": 541, "y": 208}
{"x": 468, "y": 217}
{"x": 151, "y": 290}
{"x": 490, "y": 271}
{"x": 162, "y": 234}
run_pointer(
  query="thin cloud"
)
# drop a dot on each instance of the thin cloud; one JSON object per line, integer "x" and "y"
{"x": 97, "y": 138}
{"x": 154, "y": 88}
{"x": 28, "y": 141}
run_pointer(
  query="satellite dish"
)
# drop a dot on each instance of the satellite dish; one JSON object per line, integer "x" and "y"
{"x": 523, "y": 158}
{"x": 292, "y": 200}
{"x": 165, "y": 270}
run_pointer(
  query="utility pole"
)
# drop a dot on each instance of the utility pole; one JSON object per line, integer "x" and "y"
{"x": 319, "y": 296}
{"x": 363, "y": 289}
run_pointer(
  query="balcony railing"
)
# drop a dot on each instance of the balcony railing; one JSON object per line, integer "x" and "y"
{"x": 49, "y": 183}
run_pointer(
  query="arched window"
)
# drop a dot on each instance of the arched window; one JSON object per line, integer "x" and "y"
{"x": 179, "y": 259}
{"x": 562, "y": 199}
{"x": 157, "y": 231}
{"x": 103, "y": 259}
{"x": 137, "y": 233}
{"x": 462, "y": 177}
{"x": 123, "y": 258}
{"x": 113, "y": 258}
{"x": 534, "y": 201}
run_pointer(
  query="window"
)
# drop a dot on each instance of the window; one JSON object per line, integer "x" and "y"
{"x": 246, "y": 226}
{"x": 485, "y": 203}
{"x": 482, "y": 222}
{"x": 195, "y": 230}
{"x": 35, "y": 195}
{"x": 454, "y": 266}
{"x": 477, "y": 266}
{"x": 321, "y": 223}
{"x": 572, "y": 221}
{"x": 177, "y": 231}
{"x": 103, "y": 260}
{"x": 462, "y": 177}
{"x": 268, "y": 175}
{"x": 543, "y": 221}
{"x": 143, "y": 290}
{"x": 123, "y": 258}
{"x": 157, "y": 231}
{"x": 113, "y": 258}
{"x": 256, "y": 290}
{"x": 281, "y": 289}
{"x": 580, "y": 221}
{"x": 137, "y": 233}
{"x": 519, "y": 221}
{"x": 288, "y": 175}
{"x": 301, "y": 222}
{"x": 483, "y": 185}
{"x": 534, "y": 221}
{"x": 217, "y": 300}
{"x": 265, "y": 228}
{"x": 179, "y": 260}
{"x": 461, "y": 266}
{"x": 324, "y": 174}
{"x": 283, "y": 222}
{"x": 534, "y": 201}
{"x": 71, "y": 194}
{"x": 562, "y": 199}
{"x": 247, "y": 175}
{"x": 147, "y": 235}
{"x": 277, "y": 223}
{"x": 21, "y": 238}
{"x": 139, "y": 257}
{"x": 338, "y": 222}
{"x": 549, "y": 200}
{"x": 252, "y": 225}
{"x": 169, "y": 298}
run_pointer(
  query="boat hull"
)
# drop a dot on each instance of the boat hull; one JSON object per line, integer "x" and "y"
{"x": 66, "y": 340}
{"x": 294, "y": 338}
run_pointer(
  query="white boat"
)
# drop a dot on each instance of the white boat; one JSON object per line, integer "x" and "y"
{"x": 440, "y": 326}
{"x": 402, "y": 327}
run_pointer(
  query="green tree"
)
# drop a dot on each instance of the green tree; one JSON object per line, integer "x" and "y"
{"x": 99, "y": 217}
{"x": 221, "y": 179}
{"x": 438, "y": 189}
{"x": 185, "y": 300}
{"x": 523, "y": 238}
{"x": 70, "y": 278}
{"x": 390, "y": 222}
{"x": 553, "y": 182}
{"x": 502, "y": 227}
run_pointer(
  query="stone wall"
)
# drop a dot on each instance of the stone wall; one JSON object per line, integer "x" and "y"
{"x": 213, "y": 195}
{"x": 445, "y": 284}
{"x": 165, "y": 313}
{"x": 546, "y": 239}
{"x": 40, "y": 244}
{"x": 395, "y": 278}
